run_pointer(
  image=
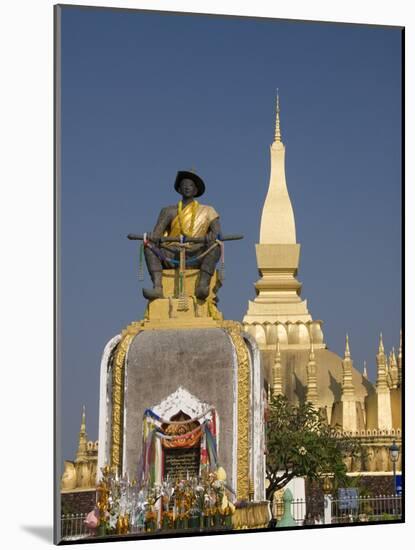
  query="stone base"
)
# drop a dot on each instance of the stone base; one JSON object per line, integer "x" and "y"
{"x": 183, "y": 311}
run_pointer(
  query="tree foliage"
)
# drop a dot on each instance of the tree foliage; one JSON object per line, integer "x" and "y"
{"x": 300, "y": 443}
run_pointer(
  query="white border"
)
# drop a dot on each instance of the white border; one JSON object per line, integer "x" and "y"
{"x": 105, "y": 406}
{"x": 257, "y": 427}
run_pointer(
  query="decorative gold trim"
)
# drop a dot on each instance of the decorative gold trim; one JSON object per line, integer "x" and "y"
{"x": 213, "y": 310}
{"x": 255, "y": 515}
{"x": 234, "y": 329}
{"x": 118, "y": 393}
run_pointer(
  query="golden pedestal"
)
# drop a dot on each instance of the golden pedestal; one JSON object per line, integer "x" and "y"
{"x": 183, "y": 310}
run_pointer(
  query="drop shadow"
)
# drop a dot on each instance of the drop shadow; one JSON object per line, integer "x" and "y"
{"x": 43, "y": 532}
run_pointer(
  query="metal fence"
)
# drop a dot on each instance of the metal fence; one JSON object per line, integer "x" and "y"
{"x": 300, "y": 509}
{"x": 362, "y": 508}
{"x": 73, "y": 527}
{"x": 342, "y": 510}
{"x": 304, "y": 512}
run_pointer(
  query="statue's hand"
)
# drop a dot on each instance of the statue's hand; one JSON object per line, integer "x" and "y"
{"x": 210, "y": 238}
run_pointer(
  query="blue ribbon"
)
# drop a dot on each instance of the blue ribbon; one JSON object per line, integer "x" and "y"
{"x": 211, "y": 447}
{"x": 149, "y": 412}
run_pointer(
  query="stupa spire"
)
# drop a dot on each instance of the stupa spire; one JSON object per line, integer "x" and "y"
{"x": 394, "y": 371}
{"x": 277, "y": 220}
{"x": 347, "y": 385}
{"x": 278, "y": 292}
{"x": 384, "y": 408}
{"x": 81, "y": 454}
{"x": 388, "y": 370}
{"x": 381, "y": 347}
{"x": 348, "y": 395}
{"x": 347, "y": 349}
{"x": 381, "y": 362}
{"x": 277, "y": 136}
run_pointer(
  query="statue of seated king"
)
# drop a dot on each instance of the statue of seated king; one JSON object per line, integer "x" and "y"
{"x": 186, "y": 236}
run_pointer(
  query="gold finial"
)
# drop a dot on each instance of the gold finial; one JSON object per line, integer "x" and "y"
{"x": 277, "y": 136}
{"x": 83, "y": 420}
{"x": 347, "y": 350}
{"x": 364, "y": 369}
{"x": 381, "y": 348}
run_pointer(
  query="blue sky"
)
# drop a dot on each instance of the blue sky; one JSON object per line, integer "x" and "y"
{"x": 146, "y": 94}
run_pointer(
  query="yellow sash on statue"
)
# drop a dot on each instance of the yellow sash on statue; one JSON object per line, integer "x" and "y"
{"x": 193, "y": 220}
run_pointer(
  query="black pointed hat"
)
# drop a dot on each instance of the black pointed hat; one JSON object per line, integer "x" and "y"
{"x": 197, "y": 180}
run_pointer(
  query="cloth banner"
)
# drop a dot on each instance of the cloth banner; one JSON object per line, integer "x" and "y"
{"x": 150, "y": 467}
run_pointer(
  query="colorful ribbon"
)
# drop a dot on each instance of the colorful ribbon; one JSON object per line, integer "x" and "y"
{"x": 150, "y": 467}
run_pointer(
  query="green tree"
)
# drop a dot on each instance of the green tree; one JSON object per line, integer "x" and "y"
{"x": 300, "y": 443}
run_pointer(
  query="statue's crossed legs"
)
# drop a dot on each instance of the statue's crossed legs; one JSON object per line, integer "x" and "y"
{"x": 159, "y": 258}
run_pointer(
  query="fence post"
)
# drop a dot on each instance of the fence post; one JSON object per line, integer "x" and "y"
{"x": 328, "y": 499}
{"x": 73, "y": 527}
